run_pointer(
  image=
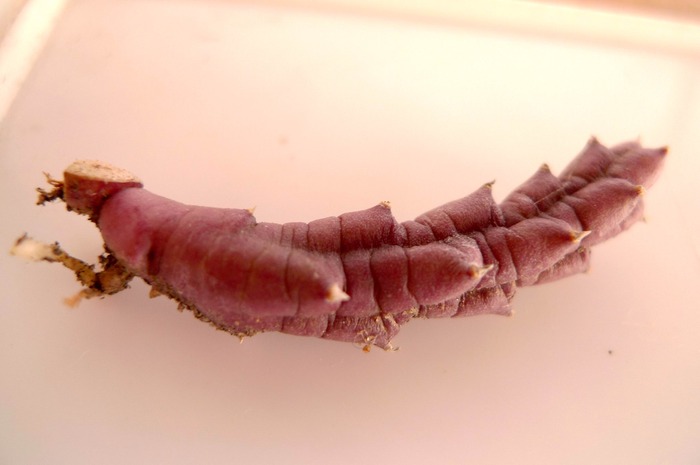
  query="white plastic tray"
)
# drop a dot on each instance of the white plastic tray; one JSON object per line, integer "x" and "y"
{"x": 305, "y": 112}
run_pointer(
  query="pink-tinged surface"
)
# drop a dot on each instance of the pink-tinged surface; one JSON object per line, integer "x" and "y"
{"x": 304, "y": 115}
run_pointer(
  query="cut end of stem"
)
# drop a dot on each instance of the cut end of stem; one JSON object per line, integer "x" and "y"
{"x": 87, "y": 184}
{"x": 100, "y": 171}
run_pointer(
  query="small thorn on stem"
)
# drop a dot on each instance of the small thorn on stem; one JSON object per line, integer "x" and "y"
{"x": 578, "y": 236}
{"x": 335, "y": 293}
{"x": 478, "y": 272}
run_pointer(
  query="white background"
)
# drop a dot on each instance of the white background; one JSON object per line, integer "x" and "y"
{"x": 306, "y": 113}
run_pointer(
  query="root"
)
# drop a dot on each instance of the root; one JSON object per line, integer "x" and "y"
{"x": 365, "y": 341}
{"x": 111, "y": 279}
{"x": 53, "y": 194}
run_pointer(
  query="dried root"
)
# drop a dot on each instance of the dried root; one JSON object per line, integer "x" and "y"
{"x": 53, "y": 194}
{"x": 112, "y": 278}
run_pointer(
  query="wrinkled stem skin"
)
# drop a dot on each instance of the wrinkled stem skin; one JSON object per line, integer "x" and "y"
{"x": 360, "y": 276}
